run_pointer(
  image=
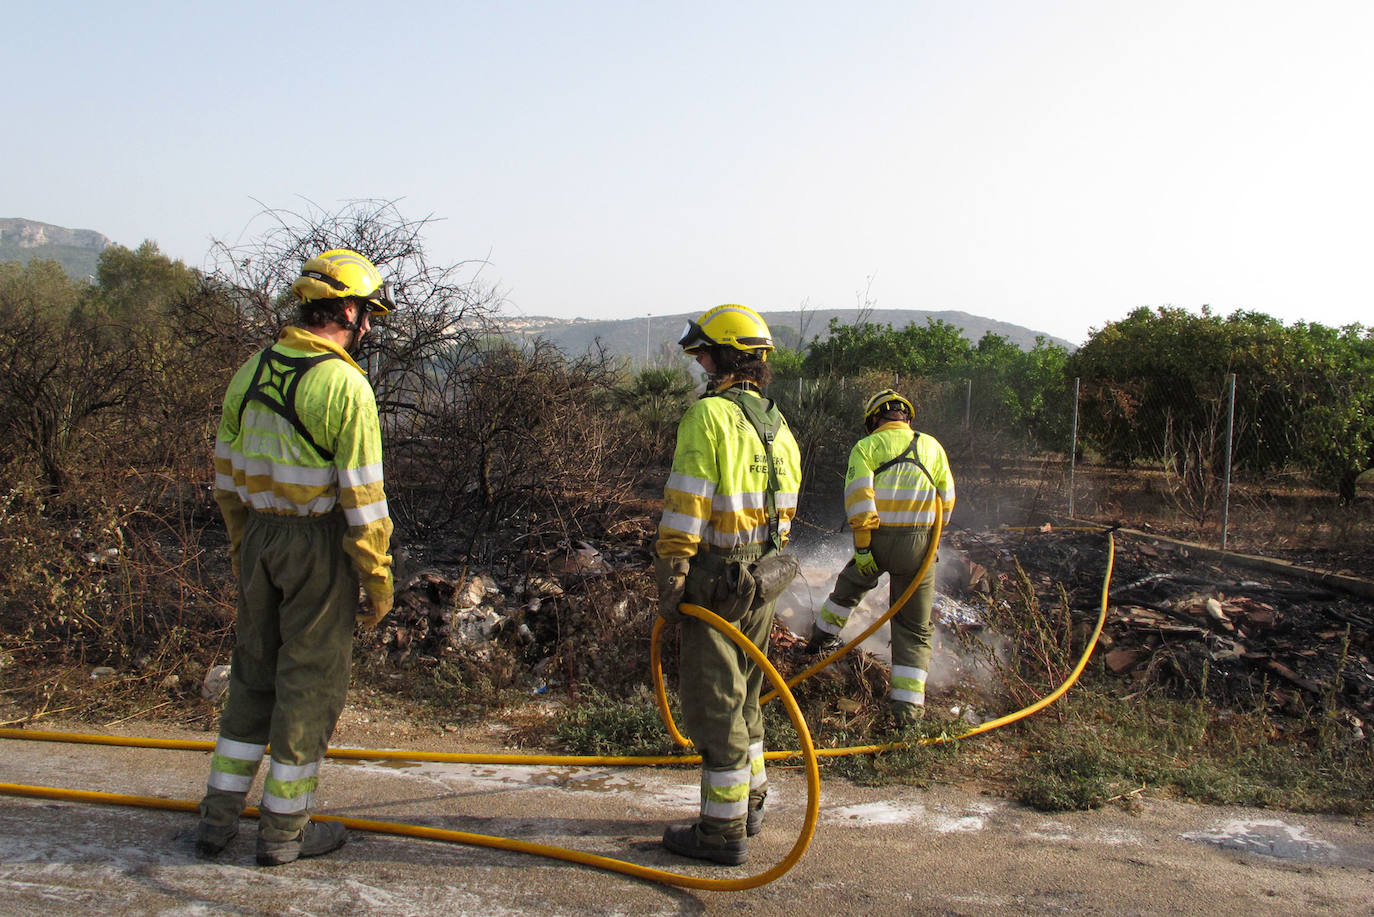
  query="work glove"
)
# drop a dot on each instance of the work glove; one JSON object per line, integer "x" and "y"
{"x": 671, "y": 575}
{"x": 822, "y": 643}
{"x": 371, "y": 611}
{"x": 864, "y": 562}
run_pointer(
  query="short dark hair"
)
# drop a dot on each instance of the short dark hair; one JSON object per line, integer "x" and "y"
{"x": 315, "y": 313}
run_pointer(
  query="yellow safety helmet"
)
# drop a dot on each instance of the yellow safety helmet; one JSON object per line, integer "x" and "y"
{"x": 886, "y": 400}
{"x": 730, "y": 325}
{"x": 343, "y": 274}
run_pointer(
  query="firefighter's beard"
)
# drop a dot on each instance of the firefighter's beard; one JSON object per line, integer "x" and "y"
{"x": 355, "y": 342}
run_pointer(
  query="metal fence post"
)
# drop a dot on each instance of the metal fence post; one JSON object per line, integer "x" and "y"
{"x": 1230, "y": 426}
{"x": 1073, "y": 444}
{"x": 968, "y": 404}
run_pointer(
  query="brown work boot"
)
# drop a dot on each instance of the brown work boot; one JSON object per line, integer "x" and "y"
{"x": 211, "y": 839}
{"x": 906, "y": 716}
{"x": 690, "y": 841}
{"x": 316, "y": 839}
{"x": 753, "y": 824}
{"x": 219, "y": 821}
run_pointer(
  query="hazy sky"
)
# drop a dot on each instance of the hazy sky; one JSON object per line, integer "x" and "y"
{"x": 1053, "y": 164}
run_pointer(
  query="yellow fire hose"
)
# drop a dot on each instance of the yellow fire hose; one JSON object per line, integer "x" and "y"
{"x": 808, "y": 752}
{"x": 656, "y": 655}
{"x": 781, "y": 688}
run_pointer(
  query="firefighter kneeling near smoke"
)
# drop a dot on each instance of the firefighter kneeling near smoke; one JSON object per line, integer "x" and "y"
{"x": 889, "y": 495}
{"x": 727, "y": 510}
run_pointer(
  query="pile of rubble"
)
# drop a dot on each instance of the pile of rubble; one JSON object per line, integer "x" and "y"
{"x": 564, "y": 618}
{"x": 1178, "y": 616}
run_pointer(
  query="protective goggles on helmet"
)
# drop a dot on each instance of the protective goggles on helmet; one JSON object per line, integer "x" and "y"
{"x": 887, "y": 400}
{"x": 379, "y": 302}
{"x": 694, "y": 338}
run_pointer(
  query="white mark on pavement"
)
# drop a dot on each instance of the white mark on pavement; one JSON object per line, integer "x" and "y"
{"x": 1268, "y": 837}
{"x": 890, "y": 813}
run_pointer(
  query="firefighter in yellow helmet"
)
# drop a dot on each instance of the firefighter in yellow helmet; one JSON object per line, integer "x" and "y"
{"x": 890, "y": 487}
{"x": 298, "y": 479}
{"x": 727, "y": 510}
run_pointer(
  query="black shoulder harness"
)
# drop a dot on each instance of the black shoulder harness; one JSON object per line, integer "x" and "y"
{"x": 274, "y": 387}
{"x": 763, "y": 415}
{"x": 908, "y": 455}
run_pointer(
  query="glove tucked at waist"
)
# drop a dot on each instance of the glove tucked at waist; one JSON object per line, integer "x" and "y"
{"x": 670, "y": 573}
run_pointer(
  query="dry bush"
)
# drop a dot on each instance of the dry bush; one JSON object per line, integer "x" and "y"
{"x": 529, "y": 440}
{"x": 1036, "y": 650}
{"x": 93, "y": 584}
{"x": 598, "y": 633}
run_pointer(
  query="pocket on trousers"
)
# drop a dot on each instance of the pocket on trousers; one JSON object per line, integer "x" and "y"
{"x": 734, "y": 592}
{"x": 772, "y": 574}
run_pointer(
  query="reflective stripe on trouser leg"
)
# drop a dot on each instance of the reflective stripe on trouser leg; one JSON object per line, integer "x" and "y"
{"x": 833, "y": 617}
{"x": 290, "y": 788}
{"x": 232, "y": 769}
{"x": 725, "y": 794}
{"x": 233, "y": 765}
{"x": 758, "y": 777}
{"x": 908, "y": 684}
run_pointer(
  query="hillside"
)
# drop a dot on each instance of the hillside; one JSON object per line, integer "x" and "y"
{"x": 640, "y": 338}
{"x": 77, "y": 250}
{"x": 645, "y": 337}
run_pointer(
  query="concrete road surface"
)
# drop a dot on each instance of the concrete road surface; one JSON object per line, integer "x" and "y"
{"x": 901, "y": 850}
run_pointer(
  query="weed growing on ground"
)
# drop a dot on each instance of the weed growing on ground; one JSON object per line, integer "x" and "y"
{"x": 1108, "y": 747}
{"x": 600, "y": 724}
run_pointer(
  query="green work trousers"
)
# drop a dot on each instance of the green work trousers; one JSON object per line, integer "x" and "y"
{"x": 899, "y": 553}
{"x": 719, "y": 691}
{"x": 298, "y": 597}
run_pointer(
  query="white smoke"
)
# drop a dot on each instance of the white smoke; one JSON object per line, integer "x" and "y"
{"x": 821, "y": 563}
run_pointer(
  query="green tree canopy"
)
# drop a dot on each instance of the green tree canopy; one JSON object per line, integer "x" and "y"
{"x": 141, "y": 286}
{"x": 1022, "y": 393}
{"x": 1156, "y": 379}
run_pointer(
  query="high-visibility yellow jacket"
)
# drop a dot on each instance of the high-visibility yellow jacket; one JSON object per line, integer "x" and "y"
{"x": 716, "y": 494}
{"x": 900, "y": 496}
{"x": 266, "y": 463}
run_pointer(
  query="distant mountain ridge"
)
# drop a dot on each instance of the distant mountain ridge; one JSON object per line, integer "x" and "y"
{"x": 77, "y": 250}
{"x": 644, "y": 338}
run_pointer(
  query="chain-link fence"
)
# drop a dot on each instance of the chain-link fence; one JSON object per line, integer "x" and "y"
{"x": 1240, "y": 468}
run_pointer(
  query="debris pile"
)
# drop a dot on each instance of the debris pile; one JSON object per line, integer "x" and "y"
{"x": 562, "y": 621}
{"x": 1252, "y": 639}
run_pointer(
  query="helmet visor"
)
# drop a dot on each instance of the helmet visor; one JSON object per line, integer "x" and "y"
{"x": 693, "y": 338}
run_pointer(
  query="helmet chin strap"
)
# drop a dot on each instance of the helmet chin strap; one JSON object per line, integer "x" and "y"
{"x": 355, "y": 326}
